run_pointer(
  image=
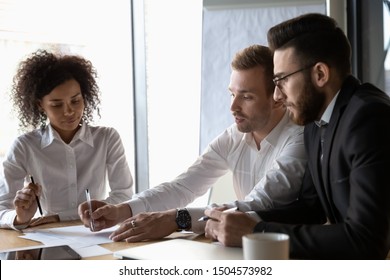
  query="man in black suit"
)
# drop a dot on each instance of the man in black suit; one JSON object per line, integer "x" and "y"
{"x": 343, "y": 211}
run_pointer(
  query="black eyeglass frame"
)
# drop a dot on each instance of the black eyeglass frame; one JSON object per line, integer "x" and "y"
{"x": 277, "y": 80}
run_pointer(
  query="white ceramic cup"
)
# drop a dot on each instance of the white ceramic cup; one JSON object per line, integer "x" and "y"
{"x": 266, "y": 246}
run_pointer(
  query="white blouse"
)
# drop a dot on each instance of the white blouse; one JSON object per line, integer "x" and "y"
{"x": 94, "y": 157}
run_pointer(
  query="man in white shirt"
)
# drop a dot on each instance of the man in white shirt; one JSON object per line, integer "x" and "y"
{"x": 263, "y": 149}
{"x": 343, "y": 210}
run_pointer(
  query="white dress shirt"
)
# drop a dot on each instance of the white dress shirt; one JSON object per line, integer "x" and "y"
{"x": 325, "y": 118}
{"x": 94, "y": 157}
{"x": 262, "y": 179}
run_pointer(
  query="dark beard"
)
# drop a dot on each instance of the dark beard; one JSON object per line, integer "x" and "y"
{"x": 310, "y": 104}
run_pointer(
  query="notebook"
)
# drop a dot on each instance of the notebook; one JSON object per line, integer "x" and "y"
{"x": 181, "y": 249}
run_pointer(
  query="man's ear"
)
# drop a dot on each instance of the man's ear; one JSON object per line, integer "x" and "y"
{"x": 320, "y": 74}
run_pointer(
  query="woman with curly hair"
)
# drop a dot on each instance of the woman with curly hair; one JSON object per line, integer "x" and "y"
{"x": 55, "y": 97}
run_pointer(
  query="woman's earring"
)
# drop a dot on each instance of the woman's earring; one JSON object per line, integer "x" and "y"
{"x": 43, "y": 119}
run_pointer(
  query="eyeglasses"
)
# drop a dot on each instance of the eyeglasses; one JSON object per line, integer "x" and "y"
{"x": 277, "y": 81}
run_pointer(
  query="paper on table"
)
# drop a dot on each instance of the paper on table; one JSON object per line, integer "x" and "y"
{"x": 79, "y": 238}
{"x": 45, "y": 238}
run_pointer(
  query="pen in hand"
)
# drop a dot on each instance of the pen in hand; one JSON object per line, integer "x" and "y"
{"x": 88, "y": 195}
{"x": 36, "y": 197}
{"x": 205, "y": 218}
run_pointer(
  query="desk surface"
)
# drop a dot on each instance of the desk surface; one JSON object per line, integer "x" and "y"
{"x": 13, "y": 241}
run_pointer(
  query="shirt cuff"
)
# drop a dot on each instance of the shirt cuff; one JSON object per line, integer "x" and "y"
{"x": 137, "y": 206}
{"x": 254, "y": 216}
{"x": 196, "y": 213}
{"x": 20, "y": 227}
{"x": 9, "y": 218}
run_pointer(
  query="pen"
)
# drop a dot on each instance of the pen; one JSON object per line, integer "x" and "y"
{"x": 205, "y": 218}
{"x": 36, "y": 197}
{"x": 88, "y": 195}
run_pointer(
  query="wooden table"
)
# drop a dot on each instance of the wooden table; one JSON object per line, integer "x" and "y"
{"x": 9, "y": 239}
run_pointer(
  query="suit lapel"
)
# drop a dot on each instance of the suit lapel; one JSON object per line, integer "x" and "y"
{"x": 312, "y": 143}
{"x": 349, "y": 87}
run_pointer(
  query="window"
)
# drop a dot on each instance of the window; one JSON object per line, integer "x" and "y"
{"x": 98, "y": 30}
{"x": 173, "y": 60}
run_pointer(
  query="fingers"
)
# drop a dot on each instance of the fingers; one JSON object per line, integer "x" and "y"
{"x": 126, "y": 230}
{"x": 25, "y": 203}
{"x": 216, "y": 225}
{"x": 92, "y": 224}
{"x": 98, "y": 211}
{"x": 44, "y": 220}
{"x": 230, "y": 228}
{"x": 25, "y": 197}
{"x": 104, "y": 211}
{"x": 145, "y": 226}
{"x": 85, "y": 217}
{"x": 103, "y": 216}
{"x": 37, "y": 188}
{"x": 81, "y": 210}
{"x": 221, "y": 208}
{"x": 213, "y": 214}
{"x": 210, "y": 231}
{"x": 211, "y": 228}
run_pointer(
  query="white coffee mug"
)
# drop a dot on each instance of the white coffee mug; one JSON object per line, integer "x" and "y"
{"x": 266, "y": 246}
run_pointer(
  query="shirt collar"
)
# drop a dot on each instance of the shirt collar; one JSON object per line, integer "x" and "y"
{"x": 49, "y": 134}
{"x": 273, "y": 135}
{"x": 325, "y": 118}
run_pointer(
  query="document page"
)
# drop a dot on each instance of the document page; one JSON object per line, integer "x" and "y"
{"x": 79, "y": 238}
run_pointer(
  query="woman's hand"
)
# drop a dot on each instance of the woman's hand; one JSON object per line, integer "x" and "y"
{"x": 25, "y": 203}
{"x": 44, "y": 220}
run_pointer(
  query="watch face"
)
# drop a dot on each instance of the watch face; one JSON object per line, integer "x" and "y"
{"x": 183, "y": 219}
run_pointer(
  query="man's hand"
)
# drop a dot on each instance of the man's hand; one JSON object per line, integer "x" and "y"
{"x": 228, "y": 228}
{"x": 104, "y": 215}
{"x": 145, "y": 226}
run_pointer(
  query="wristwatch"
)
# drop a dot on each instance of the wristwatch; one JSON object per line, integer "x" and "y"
{"x": 183, "y": 219}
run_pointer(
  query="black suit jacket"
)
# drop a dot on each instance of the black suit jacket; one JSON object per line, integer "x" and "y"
{"x": 354, "y": 194}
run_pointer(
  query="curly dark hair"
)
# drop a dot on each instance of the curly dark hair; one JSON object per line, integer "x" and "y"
{"x": 40, "y": 73}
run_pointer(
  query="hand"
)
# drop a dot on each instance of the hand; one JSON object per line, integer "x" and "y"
{"x": 145, "y": 226}
{"x": 104, "y": 215}
{"x": 44, "y": 220}
{"x": 220, "y": 207}
{"x": 25, "y": 203}
{"x": 228, "y": 228}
